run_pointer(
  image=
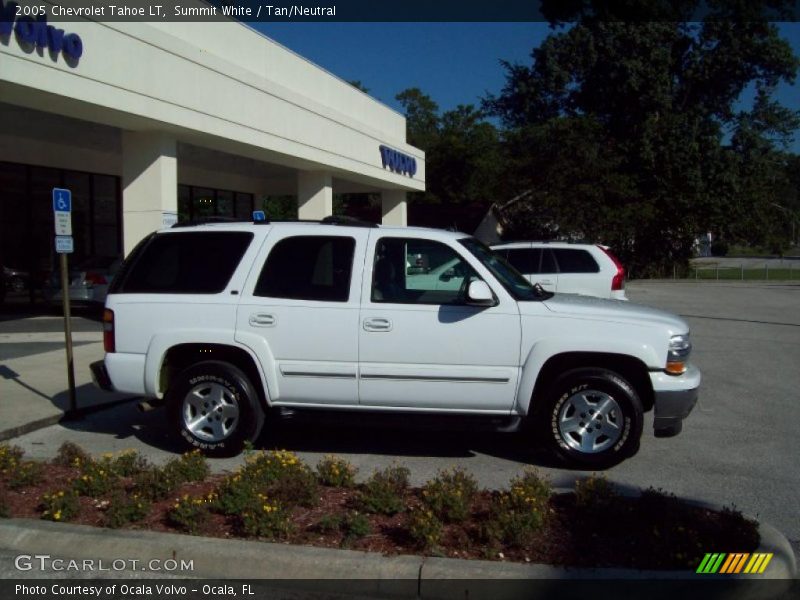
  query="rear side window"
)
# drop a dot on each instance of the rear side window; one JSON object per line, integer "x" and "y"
{"x": 185, "y": 263}
{"x": 575, "y": 261}
{"x": 308, "y": 267}
{"x": 524, "y": 260}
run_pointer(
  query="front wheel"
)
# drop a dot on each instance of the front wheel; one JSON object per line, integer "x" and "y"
{"x": 215, "y": 408}
{"x": 592, "y": 418}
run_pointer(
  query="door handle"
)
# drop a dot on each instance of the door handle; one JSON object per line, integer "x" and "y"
{"x": 262, "y": 320}
{"x": 377, "y": 324}
{"x": 546, "y": 281}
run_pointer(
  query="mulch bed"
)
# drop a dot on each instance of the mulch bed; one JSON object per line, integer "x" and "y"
{"x": 655, "y": 531}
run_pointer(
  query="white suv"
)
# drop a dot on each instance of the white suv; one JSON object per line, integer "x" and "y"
{"x": 224, "y": 322}
{"x": 563, "y": 267}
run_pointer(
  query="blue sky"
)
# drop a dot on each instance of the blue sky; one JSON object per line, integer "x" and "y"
{"x": 454, "y": 63}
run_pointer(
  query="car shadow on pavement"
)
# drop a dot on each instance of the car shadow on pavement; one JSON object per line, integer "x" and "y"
{"x": 151, "y": 428}
{"x": 124, "y": 421}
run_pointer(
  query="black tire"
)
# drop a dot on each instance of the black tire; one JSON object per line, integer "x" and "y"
{"x": 233, "y": 388}
{"x": 613, "y": 436}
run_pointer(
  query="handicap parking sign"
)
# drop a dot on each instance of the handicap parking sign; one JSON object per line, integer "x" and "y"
{"x": 62, "y": 200}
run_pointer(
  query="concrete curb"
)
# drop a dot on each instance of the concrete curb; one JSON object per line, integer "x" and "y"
{"x": 31, "y": 426}
{"x": 323, "y": 569}
{"x": 13, "y": 432}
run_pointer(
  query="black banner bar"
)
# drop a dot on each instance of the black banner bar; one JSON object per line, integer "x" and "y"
{"x": 391, "y": 10}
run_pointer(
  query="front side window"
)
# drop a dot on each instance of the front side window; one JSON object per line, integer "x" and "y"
{"x": 308, "y": 267}
{"x": 511, "y": 279}
{"x": 185, "y": 263}
{"x": 412, "y": 271}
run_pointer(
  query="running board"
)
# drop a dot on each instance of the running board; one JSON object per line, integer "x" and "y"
{"x": 406, "y": 420}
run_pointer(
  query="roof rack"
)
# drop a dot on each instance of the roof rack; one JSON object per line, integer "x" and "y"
{"x": 207, "y": 221}
{"x": 349, "y": 221}
{"x": 331, "y": 220}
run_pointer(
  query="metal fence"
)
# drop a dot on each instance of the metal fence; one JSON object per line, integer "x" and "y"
{"x": 742, "y": 273}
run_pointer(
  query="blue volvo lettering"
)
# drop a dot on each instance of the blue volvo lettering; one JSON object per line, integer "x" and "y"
{"x": 398, "y": 162}
{"x": 36, "y": 32}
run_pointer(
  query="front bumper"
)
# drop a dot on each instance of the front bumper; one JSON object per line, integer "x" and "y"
{"x": 100, "y": 376}
{"x": 675, "y": 397}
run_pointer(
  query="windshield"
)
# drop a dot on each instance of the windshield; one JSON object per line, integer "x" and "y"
{"x": 511, "y": 279}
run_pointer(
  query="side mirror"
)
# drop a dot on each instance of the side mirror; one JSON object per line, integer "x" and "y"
{"x": 480, "y": 294}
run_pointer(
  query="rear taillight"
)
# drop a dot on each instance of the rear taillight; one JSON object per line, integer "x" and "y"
{"x": 95, "y": 278}
{"x": 109, "y": 344}
{"x": 618, "y": 281}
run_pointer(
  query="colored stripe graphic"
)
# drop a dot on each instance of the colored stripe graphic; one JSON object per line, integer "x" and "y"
{"x": 711, "y": 563}
{"x": 734, "y": 563}
{"x": 758, "y": 563}
{"x": 731, "y": 564}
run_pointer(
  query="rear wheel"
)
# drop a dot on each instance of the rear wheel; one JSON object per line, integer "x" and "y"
{"x": 215, "y": 408}
{"x": 592, "y": 418}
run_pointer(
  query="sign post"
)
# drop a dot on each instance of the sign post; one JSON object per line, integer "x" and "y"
{"x": 62, "y": 211}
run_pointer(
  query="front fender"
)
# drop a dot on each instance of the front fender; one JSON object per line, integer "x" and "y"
{"x": 543, "y": 350}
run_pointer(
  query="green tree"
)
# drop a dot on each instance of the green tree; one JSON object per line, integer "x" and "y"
{"x": 627, "y": 132}
{"x": 462, "y": 149}
{"x": 356, "y": 83}
{"x": 422, "y": 118}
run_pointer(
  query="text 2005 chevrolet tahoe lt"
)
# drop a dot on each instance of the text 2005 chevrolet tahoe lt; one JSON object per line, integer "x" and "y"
{"x": 224, "y": 322}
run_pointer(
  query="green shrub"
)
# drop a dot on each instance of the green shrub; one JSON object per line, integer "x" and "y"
{"x": 299, "y": 487}
{"x": 595, "y": 494}
{"x": 25, "y": 474}
{"x": 95, "y": 479}
{"x": 190, "y": 513}
{"x": 235, "y": 494}
{"x": 383, "y": 492}
{"x": 70, "y": 454}
{"x": 264, "y": 468}
{"x": 336, "y": 472}
{"x": 10, "y": 457}
{"x": 191, "y": 466}
{"x": 450, "y": 494}
{"x": 354, "y": 527}
{"x": 5, "y": 510}
{"x": 264, "y": 518}
{"x": 155, "y": 483}
{"x": 330, "y": 523}
{"x": 518, "y": 514}
{"x": 425, "y": 528}
{"x": 125, "y": 509}
{"x": 61, "y": 505}
{"x": 127, "y": 463}
{"x": 657, "y": 500}
{"x": 277, "y": 473}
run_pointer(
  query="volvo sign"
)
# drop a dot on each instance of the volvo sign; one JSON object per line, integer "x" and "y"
{"x": 32, "y": 30}
{"x": 398, "y": 162}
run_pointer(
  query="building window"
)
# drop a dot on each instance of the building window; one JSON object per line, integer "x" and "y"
{"x": 26, "y": 217}
{"x": 200, "y": 202}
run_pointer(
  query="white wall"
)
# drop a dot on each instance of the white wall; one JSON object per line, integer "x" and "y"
{"x": 214, "y": 84}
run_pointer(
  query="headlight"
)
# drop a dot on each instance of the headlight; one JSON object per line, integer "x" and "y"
{"x": 680, "y": 347}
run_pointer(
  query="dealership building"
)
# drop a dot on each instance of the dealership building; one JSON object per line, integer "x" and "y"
{"x": 147, "y": 123}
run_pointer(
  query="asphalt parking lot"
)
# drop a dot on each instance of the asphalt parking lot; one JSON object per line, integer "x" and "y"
{"x": 739, "y": 446}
